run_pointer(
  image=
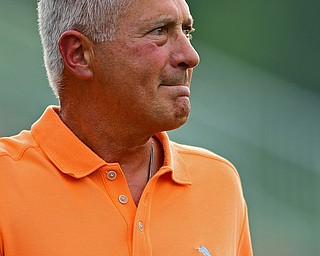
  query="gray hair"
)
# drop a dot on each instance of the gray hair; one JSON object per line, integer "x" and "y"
{"x": 96, "y": 19}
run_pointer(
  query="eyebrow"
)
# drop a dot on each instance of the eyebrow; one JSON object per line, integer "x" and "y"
{"x": 166, "y": 19}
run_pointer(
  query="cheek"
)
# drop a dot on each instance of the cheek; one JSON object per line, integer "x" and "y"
{"x": 150, "y": 56}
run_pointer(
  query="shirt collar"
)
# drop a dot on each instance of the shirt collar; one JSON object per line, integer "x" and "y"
{"x": 71, "y": 156}
{"x": 173, "y": 160}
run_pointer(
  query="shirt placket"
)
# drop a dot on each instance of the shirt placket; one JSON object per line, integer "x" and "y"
{"x": 141, "y": 238}
{"x": 137, "y": 218}
{"x": 119, "y": 193}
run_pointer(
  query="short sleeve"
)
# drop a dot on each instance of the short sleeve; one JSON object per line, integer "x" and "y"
{"x": 245, "y": 246}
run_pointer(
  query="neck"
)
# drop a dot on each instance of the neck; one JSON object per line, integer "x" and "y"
{"x": 114, "y": 142}
{"x": 109, "y": 136}
{"x": 111, "y": 131}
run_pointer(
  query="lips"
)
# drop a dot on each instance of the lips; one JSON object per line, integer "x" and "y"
{"x": 178, "y": 89}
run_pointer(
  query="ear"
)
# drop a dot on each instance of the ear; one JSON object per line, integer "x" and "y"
{"x": 75, "y": 51}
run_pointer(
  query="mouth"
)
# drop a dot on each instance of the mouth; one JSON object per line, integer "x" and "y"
{"x": 181, "y": 90}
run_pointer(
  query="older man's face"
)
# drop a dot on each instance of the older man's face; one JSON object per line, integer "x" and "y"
{"x": 147, "y": 70}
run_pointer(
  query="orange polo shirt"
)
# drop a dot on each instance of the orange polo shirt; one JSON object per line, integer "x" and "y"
{"x": 59, "y": 198}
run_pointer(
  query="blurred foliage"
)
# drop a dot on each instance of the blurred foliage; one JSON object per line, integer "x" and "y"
{"x": 255, "y": 101}
{"x": 281, "y": 36}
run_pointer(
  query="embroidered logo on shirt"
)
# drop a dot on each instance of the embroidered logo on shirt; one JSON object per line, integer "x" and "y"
{"x": 204, "y": 251}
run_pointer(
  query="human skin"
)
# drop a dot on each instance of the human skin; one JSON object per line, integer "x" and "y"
{"x": 153, "y": 61}
{"x": 118, "y": 93}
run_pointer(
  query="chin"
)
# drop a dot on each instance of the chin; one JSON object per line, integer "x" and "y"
{"x": 173, "y": 118}
{"x": 177, "y": 121}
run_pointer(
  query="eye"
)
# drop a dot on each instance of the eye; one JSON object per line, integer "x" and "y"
{"x": 159, "y": 31}
{"x": 188, "y": 32}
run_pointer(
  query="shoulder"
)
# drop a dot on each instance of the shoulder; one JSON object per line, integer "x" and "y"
{"x": 13, "y": 148}
{"x": 209, "y": 172}
{"x": 206, "y": 167}
{"x": 201, "y": 155}
{"x": 19, "y": 161}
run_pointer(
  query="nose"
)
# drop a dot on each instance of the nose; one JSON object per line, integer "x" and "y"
{"x": 184, "y": 55}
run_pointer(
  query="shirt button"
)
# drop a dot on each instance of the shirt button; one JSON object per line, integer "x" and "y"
{"x": 123, "y": 199}
{"x": 111, "y": 175}
{"x": 140, "y": 226}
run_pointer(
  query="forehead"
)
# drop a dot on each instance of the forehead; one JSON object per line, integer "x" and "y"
{"x": 144, "y": 11}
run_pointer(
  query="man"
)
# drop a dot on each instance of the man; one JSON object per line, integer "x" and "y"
{"x": 98, "y": 175}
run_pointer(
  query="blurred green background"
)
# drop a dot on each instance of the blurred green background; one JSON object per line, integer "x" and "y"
{"x": 255, "y": 100}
